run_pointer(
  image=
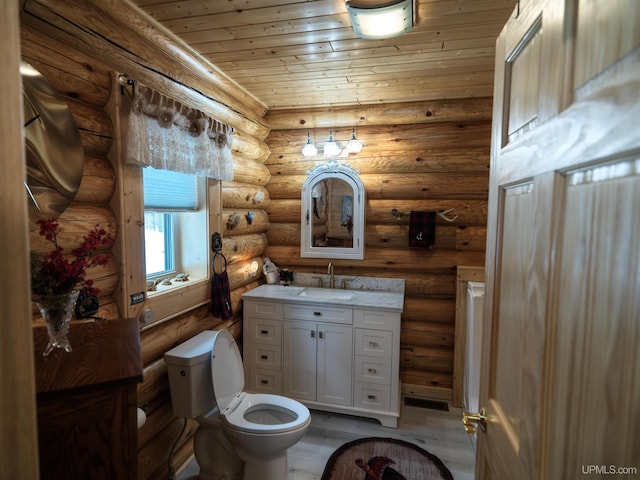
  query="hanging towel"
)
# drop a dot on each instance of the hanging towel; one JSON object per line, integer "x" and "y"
{"x": 221, "y": 296}
{"x": 422, "y": 229}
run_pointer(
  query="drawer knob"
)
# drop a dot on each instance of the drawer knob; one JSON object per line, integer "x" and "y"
{"x": 371, "y": 397}
{"x": 373, "y": 344}
{"x": 264, "y": 332}
{"x": 264, "y": 382}
{"x": 317, "y": 314}
{"x": 264, "y": 357}
{"x": 373, "y": 370}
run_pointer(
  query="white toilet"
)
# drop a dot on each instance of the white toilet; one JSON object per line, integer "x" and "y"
{"x": 238, "y": 430}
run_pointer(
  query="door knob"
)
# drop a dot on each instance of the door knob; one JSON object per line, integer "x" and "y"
{"x": 471, "y": 419}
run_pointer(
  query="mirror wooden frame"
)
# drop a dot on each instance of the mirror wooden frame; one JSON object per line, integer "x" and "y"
{"x": 325, "y": 171}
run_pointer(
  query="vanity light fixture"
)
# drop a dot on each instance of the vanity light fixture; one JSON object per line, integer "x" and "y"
{"x": 331, "y": 148}
{"x": 385, "y": 20}
{"x": 354, "y": 146}
{"x": 309, "y": 150}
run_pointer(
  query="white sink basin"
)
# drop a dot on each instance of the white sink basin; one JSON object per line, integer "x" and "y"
{"x": 326, "y": 294}
{"x": 285, "y": 290}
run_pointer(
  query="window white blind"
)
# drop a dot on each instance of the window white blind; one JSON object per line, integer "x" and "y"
{"x": 169, "y": 191}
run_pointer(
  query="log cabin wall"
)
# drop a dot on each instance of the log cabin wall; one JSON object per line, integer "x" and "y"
{"x": 80, "y": 47}
{"x": 430, "y": 156}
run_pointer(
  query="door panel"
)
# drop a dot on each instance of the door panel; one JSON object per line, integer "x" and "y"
{"x": 598, "y": 312}
{"x": 523, "y": 72}
{"x": 335, "y": 364}
{"x": 605, "y": 33}
{"x": 299, "y": 362}
{"x": 509, "y": 341}
{"x": 517, "y": 359}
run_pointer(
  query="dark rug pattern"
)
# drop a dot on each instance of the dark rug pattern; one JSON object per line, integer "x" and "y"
{"x": 384, "y": 459}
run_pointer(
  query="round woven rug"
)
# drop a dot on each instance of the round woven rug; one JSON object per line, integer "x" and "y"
{"x": 384, "y": 459}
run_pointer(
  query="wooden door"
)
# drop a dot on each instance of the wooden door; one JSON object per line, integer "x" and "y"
{"x": 562, "y": 306}
{"x": 299, "y": 360}
{"x": 335, "y": 364}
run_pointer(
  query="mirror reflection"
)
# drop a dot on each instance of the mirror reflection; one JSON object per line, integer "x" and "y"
{"x": 332, "y": 218}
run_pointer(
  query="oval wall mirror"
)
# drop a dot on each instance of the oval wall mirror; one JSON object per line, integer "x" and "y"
{"x": 332, "y": 219}
{"x": 54, "y": 153}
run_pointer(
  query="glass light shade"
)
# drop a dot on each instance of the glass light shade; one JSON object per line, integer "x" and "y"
{"x": 309, "y": 150}
{"x": 378, "y": 22}
{"x": 331, "y": 148}
{"x": 354, "y": 146}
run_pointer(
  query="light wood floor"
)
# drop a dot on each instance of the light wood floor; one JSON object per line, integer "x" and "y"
{"x": 440, "y": 433}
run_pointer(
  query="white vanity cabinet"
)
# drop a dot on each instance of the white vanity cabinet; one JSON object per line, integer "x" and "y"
{"x": 318, "y": 353}
{"x": 329, "y": 355}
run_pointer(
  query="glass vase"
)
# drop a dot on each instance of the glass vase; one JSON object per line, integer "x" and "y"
{"x": 56, "y": 310}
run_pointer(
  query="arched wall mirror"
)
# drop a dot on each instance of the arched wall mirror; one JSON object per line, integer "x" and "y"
{"x": 54, "y": 152}
{"x": 332, "y": 220}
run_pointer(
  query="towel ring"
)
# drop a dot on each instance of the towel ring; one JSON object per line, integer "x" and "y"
{"x": 218, "y": 256}
{"x": 219, "y": 263}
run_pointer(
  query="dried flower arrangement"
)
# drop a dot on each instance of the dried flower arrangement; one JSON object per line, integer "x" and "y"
{"x": 55, "y": 273}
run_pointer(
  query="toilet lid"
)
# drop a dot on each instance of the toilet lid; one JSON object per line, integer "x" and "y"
{"x": 226, "y": 369}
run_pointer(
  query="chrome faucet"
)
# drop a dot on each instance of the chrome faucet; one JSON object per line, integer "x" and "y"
{"x": 332, "y": 279}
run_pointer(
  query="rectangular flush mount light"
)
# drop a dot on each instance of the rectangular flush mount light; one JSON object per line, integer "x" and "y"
{"x": 381, "y": 21}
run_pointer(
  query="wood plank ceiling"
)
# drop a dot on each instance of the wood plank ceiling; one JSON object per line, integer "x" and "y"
{"x": 304, "y": 54}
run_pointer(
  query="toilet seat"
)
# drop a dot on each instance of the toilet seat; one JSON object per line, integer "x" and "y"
{"x": 293, "y": 414}
{"x": 227, "y": 374}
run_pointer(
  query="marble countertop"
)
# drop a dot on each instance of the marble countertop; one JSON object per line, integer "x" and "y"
{"x": 329, "y": 296}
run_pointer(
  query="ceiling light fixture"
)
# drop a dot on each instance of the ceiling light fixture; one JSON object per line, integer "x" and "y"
{"x": 354, "y": 146}
{"x": 381, "y": 21}
{"x": 331, "y": 148}
{"x": 309, "y": 150}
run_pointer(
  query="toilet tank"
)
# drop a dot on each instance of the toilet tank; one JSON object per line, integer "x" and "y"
{"x": 189, "y": 368}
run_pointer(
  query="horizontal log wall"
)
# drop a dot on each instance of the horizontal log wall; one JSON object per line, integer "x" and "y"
{"x": 85, "y": 85}
{"x": 417, "y": 156}
{"x": 79, "y": 46}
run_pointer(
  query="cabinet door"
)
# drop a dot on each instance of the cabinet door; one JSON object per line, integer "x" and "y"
{"x": 335, "y": 364}
{"x": 299, "y": 365}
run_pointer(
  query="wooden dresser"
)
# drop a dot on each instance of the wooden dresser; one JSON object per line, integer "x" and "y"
{"x": 86, "y": 401}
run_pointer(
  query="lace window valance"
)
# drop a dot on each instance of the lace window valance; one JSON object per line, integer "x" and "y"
{"x": 165, "y": 134}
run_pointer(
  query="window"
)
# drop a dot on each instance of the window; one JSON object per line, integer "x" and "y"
{"x": 159, "y": 244}
{"x": 175, "y": 224}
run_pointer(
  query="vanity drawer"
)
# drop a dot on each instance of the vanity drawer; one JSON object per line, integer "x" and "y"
{"x": 372, "y": 370}
{"x": 373, "y": 343}
{"x": 256, "y": 308}
{"x": 372, "y": 397}
{"x": 265, "y": 356}
{"x": 265, "y": 381}
{"x": 263, "y": 331}
{"x": 318, "y": 313}
{"x": 375, "y": 319}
